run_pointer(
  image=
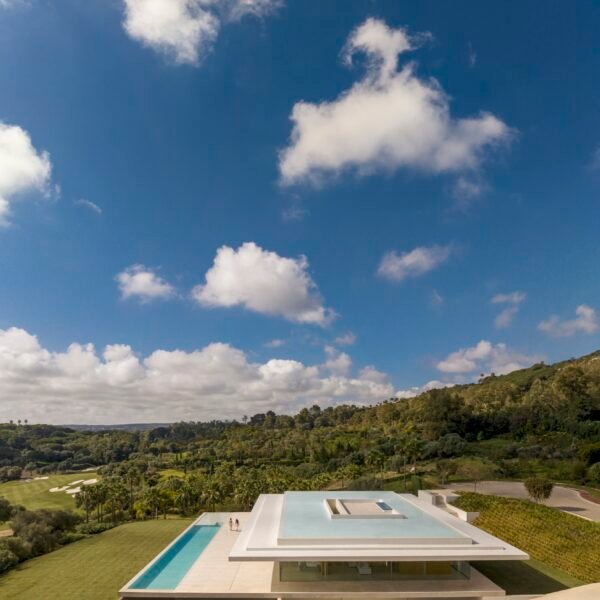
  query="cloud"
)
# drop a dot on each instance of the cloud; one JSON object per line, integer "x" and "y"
{"x": 389, "y": 119}
{"x": 346, "y": 339}
{"x": 506, "y": 316}
{"x": 143, "y": 283}
{"x": 337, "y": 363}
{"x": 434, "y": 384}
{"x": 276, "y": 343}
{"x": 186, "y": 30}
{"x": 466, "y": 190}
{"x": 486, "y": 357}
{"x": 22, "y": 168}
{"x": 82, "y": 385}
{"x": 397, "y": 267}
{"x": 370, "y": 373}
{"x": 234, "y": 10}
{"x": 437, "y": 299}
{"x": 263, "y": 282}
{"x": 89, "y": 204}
{"x": 585, "y": 321}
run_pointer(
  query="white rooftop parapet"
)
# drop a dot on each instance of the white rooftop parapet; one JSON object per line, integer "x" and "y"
{"x": 443, "y": 499}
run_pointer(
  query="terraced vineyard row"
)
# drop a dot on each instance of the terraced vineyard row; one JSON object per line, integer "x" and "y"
{"x": 563, "y": 541}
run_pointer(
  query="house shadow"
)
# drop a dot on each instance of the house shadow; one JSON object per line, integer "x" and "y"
{"x": 518, "y": 577}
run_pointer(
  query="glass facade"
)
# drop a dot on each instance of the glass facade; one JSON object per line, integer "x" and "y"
{"x": 371, "y": 571}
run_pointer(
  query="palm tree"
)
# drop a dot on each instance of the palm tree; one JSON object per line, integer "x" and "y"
{"x": 212, "y": 493}
{"x": 132, "y": 477}
{"x": 376, "y": 459}
{"x": 152, "y": 500}
{"x": 184, "y": 497}
{"x": 86, "y": 500}
{"x": 99, "y": 495}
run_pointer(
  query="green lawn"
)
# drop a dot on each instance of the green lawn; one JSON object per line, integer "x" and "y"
{"x": 94, "y": 568}
{"x": 36, "y": 494}
{"x": 562, "y": 542}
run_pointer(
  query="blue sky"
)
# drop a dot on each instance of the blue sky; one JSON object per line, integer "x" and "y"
{"x": 257, "y": 205}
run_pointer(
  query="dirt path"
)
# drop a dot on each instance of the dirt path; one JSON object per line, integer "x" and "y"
{"x": 567, "y": 499}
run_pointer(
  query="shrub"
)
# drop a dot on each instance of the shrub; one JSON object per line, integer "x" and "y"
{"x": 539, "y": 488}
{"x": 93, "y": 528}
{"x": 43, "y": 529}
{"x": 593, "y": 473}
{"x": 18, "y": 547}
{"x": 10, "y": 473}
{"x": 6, "y": 510}
{"x": 8, "y": 559}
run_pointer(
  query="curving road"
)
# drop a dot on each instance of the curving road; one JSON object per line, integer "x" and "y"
{"x": 566, "y": 499}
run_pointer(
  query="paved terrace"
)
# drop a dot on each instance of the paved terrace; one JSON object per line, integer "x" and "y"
{"x": 212, "y": 573}
{"x": 214, "y": 576}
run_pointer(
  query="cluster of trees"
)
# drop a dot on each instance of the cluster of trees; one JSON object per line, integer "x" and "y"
{"x": 10, "y": 474}
{"x": 35, "y": 532}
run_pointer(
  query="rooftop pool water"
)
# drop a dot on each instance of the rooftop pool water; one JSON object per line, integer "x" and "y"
{"x": 173, "y": 565}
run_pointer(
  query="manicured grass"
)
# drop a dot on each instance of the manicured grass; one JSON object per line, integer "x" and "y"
{"x": 36, "y": 494}
{"x": 562, "y": 542}
{"x": 94, "y": 568}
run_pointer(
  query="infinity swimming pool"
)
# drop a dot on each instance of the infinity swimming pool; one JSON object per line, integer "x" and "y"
{"x": 172, "y": 566}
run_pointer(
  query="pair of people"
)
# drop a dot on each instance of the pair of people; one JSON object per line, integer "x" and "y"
{"x": 234, "y": 525}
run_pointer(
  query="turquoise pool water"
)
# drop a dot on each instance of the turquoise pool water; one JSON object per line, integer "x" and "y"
{"x": 172, "y": 566}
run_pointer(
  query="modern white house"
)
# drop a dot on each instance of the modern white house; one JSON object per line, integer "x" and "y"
{"x": 328, "y": 545}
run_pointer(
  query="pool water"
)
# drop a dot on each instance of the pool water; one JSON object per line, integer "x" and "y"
{"x": 173, "y": 565}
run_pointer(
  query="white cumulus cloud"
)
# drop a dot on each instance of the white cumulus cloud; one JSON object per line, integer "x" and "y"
{"x": 512, "y": 303}
{"x": 23, "y": 169}
{"x": 486, "y": 357}
{"x": 397, "y": 267}
{"x": 82, "y": 385}
{"x": 337, "y": 363}
{"x": 434, "y": 384}
{"x": 138, "y": 281}
{"x": 186, "y": 30}
{"x": 346, "y": 339}
{"x": 585, "y": 321}
{"x": 263, "y": 282}
{"x": 389, "y": 119}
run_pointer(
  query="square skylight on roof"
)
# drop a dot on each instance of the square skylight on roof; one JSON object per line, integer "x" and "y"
{"x": 360, "y": 508}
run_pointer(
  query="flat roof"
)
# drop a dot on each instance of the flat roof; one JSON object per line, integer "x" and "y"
{"x": 305, "y": 518}
{"x": 297, "y": 526}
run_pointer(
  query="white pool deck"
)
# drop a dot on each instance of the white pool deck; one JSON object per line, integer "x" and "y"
{"x": 213, "y": 575}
